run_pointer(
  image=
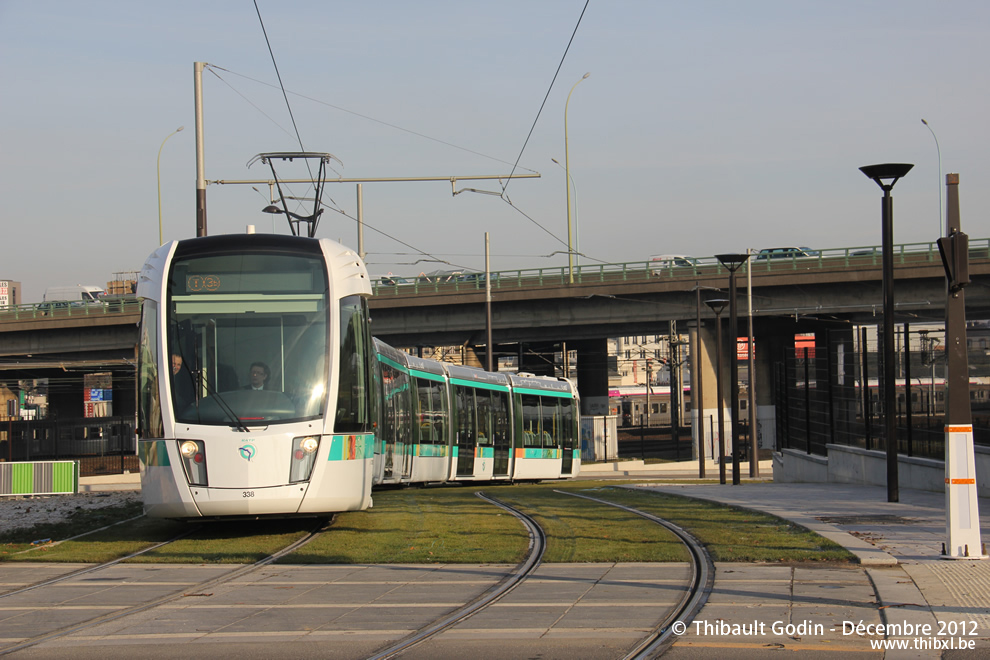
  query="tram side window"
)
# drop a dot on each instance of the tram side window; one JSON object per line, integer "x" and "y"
{"x": 431, "y": 417}
{"x": 440, "y": 412}
{"x": 567, "y": 427}
{"x": 389, "y": 421}
{"x": 551, "y": 422}
{"x": 531, "y": 421}
{"x": 485, "y": 416}
{"x": 353, "y": 406}
{"x": 149, "y": 408}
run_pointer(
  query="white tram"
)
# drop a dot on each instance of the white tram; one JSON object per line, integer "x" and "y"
{"x": 262, "y": 393}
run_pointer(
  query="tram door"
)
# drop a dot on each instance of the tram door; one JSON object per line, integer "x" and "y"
{"x": 567, "y": 436}
{"x": 500, "y": 432}
{"x": 395, "y": 421}
{"x": 466, "y": 439}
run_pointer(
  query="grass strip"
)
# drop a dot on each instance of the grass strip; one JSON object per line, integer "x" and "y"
{"x": 119, "y": 531}
{"x": 729, "y": 533}
{"x": 420, "y": 526}
{"x": 445, "y": 525}
{"x": 230, "y": 542}
{"x": 582, "y": 531}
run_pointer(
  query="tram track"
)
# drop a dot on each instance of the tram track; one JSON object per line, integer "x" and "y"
{"x": 534, "y": 556}
{"x": 653, "y": 645}
{"x": 234, "y": 574}
{"x": 702, "y": 579}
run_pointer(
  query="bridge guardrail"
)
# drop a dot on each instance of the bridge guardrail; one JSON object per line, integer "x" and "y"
{"x": 869, "y": 255}
{"x": 48, "y": 310}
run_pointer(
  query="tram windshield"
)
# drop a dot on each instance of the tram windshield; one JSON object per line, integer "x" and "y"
{"x": 247, "y": 337}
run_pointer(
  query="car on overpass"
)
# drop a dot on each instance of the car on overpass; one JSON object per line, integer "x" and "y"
{"x": 664, "y": 262}
{"x": 786, "y": 253}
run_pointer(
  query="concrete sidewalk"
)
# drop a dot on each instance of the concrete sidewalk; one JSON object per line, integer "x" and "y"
{"x": 128, "y": 481}
{"x": 898, "y": 543}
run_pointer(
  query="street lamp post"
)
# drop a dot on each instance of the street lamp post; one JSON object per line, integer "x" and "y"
{"x": 881, "y": 174}
{"x": 567, "y": 184}
{"x": 160, "y": 181}
{"x": 577, "y": 215}
{"x": 717, "y": 306}
{"x": 732, "y": 262}
{"x": 939, "y": 152}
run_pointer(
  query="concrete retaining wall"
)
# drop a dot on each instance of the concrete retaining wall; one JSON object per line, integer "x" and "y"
{"x": 851, "y": 465}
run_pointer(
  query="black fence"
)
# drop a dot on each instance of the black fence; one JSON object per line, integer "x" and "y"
{"x": 104, "y": 445}
{"x": 832, "y": 393}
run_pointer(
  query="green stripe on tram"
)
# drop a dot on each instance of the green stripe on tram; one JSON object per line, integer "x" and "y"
{"x": 431, "y": 451}
{"x": 427, "y": 375}
{"x": 389, "y": 361}
{"x": 540, "y": 453}
{"x": 351, "y": 447}
{"x": 479, "y": 386}
{"x": 526, "y": 390}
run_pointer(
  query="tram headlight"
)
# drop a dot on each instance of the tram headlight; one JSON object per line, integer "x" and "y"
{"x": 304, "y": 452}
{"x": 193, "y": 453}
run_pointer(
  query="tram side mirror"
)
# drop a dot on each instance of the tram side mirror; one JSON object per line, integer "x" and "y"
{"x": 954, "y": 250}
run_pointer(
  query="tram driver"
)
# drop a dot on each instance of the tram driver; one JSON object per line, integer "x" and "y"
{"x": 258, "y": 376}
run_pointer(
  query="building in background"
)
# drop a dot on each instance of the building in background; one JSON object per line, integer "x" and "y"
{"x": 10, "y": 293}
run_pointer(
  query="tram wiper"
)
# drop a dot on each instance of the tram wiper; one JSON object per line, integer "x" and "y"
{"x": 224, "y": 406}
{"x": 221, "y": 403}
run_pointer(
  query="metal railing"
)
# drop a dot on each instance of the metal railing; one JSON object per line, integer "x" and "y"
{"x": 833, "y": 258}
{"x": 58, "y": 310}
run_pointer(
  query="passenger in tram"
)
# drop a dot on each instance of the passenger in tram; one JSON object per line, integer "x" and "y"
{"x": 183, "y": 385}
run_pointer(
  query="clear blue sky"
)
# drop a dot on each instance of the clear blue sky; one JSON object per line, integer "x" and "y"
{"x": 704, "y": 127}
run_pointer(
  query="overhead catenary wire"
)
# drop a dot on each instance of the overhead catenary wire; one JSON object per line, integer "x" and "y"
{"x": 285, "y": 95}
{"x": 333, "y": 204}
{"x": 546, "y": 96}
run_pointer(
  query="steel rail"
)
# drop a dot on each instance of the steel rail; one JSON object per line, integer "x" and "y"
{"x": 702, "y": 580}
{"x": 534, "y": 555}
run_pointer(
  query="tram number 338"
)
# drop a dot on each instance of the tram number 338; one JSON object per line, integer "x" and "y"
{"x": 247, "y": 493}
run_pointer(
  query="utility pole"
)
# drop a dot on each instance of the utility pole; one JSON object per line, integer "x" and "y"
{"x": 200, "y": 166}
{"x": 962, "y": 525}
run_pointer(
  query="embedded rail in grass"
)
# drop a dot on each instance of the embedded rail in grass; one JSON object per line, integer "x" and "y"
{"x": 534, "y": 555}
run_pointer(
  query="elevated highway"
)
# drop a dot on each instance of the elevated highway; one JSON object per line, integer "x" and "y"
{"x": 629, "y": 299}
{"x": 544, "y": 305}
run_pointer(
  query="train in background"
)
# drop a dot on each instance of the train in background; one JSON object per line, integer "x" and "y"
{"x": 631, "y": 403}
{"x": 261, "y": 391}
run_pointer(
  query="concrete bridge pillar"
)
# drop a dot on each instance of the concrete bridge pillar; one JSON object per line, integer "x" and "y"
{"x": 592, "y": 375}
{"x": 704, "y": 403}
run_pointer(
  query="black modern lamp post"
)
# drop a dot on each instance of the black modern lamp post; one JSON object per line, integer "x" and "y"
{"x": 732, "y": 262}
{"x": 717, "y": 306}
{"x": 885, "y": 176}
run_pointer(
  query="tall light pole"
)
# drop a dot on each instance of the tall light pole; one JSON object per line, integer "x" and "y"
{"x": 577, "y": 215}
{"x": 732, "y": 262}
{"x": 717, "y": 306}
{"x": 880, "y": 174}
{"x": 567, "y": 184}
{"x": 939, "y": 152}
{"x": 160, "y": 181}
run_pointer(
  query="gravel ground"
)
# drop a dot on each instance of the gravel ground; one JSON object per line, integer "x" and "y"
{"x": 18, "y": 512}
